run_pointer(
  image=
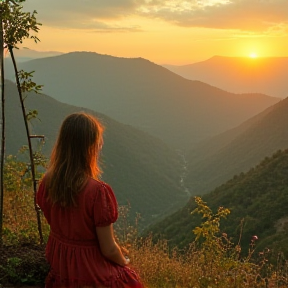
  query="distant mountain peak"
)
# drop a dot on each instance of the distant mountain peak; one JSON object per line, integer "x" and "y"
{"x": 267, "y": 75}
{"x": 138, "y": 92}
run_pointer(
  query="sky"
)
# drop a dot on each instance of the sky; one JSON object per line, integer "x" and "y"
{"x": 163, "y": 31}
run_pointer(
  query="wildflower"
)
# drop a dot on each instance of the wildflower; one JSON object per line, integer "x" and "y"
{"x": 254, "y": 238}
{"x": 238, "y": 248}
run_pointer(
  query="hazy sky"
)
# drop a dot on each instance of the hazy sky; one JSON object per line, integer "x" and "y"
{"x": 163, "y": 31}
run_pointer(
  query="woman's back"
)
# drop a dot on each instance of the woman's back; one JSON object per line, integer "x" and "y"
{"x": 96, "y": 206}
{"x": 73, "y": 249}
{"x": 81, "y": 248}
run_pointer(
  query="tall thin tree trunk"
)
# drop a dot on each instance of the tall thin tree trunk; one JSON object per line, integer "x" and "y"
{"x": 29, "y": 145}
{"x": 2, "y": 126}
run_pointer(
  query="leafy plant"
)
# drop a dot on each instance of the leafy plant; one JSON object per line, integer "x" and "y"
{"x": 15, "y": 26}
{"x": 210, "y": 261}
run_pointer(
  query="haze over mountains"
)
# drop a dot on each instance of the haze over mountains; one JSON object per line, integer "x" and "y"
{"x": 219, "y": 158}
{"x": 181, "y": 112}
{"x": 240, "y": 74}
{"x": 142, "y": 170}
{"x": 25, "y": 54}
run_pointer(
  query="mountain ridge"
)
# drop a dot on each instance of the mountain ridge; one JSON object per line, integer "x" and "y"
{"x": 138, "y": 92}
{"x": 217, "y": 159}
{"x": 240, "y": 74}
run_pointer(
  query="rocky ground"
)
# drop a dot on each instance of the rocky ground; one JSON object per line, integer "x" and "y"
{"x": 23, "y": 264}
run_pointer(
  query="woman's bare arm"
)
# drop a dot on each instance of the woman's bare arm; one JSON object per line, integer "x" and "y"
{"x": 109, "y": 248}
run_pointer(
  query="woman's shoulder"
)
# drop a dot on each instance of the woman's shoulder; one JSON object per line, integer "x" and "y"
{"x": 105, "y": 205}
{"x": 95, "y": 183}
{"x": 96, "y": 187}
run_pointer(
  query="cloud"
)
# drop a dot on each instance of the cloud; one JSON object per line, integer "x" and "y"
{"x": 246, "y": 15}
{"x": 84, "y": 14}
{"x": 88, "y": 8}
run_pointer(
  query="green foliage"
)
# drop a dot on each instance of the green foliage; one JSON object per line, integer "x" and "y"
{"x": 12, "y": 271}
{"x": 26, "y": 267}
{"x": 26, "y": 83}
{"x": 19, "y": 221}
{"x": 19, "y": 265}
{"x": 17, "y": 173}
{"x": 208, "y": 229}
{"x": 17, "y": 25}
{"x": 258, "y": 203}
{"x": 10, "y": 268}
{"x": 210, "y": 261}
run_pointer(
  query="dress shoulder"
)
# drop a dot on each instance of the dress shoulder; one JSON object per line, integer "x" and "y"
{"x": 105, "y": 207}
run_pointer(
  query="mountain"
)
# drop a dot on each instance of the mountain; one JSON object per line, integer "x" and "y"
{"x": 141, "y": 169}
{"x": 26, "y": 54}
{"x": 138, "y": 92}
{"x": 219, "y": 158}
{"x": 259, "y": 197}
{"x": 240, "y": 74}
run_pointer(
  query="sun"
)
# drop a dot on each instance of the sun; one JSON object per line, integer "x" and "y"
{"x": 253, "y": 55}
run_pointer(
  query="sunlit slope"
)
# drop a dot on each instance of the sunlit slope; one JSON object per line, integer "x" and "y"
{"x": 138, "y": 92}
{"x": 142, "y": 169}
{"x": 260, "y": 197}
{"x": 219, "y": 158}
{"x": 240, "y": 74}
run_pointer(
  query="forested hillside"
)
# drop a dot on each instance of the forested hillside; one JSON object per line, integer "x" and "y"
{"x": 219, "y": 158}
{"x": 140, "y": 93}
{"x": 142, "y": 169}
{"x": 258, "y": 197}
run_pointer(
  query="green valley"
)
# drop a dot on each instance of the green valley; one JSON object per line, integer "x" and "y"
{"x": 217, "y": 159}
{"x": 258, "y": 197}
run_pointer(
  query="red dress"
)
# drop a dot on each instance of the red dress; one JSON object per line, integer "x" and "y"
{"x": 73, "y": 250}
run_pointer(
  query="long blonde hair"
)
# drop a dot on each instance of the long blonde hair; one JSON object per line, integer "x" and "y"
{"x": 74, "y": 158}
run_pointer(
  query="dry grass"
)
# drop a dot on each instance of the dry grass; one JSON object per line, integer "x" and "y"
{"x": 212, "y": 261}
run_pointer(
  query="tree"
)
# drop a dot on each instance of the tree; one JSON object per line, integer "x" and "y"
{"x": 15, "y": 26}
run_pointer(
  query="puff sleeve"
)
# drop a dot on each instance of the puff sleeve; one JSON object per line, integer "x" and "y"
{"x": 105, "y": 206}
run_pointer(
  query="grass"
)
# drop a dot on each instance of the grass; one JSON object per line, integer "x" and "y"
{"x": 211, "y": 261}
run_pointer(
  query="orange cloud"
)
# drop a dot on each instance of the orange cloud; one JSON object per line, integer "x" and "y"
{"x": 245, "y": 15}
{"x": 248, "y": 15}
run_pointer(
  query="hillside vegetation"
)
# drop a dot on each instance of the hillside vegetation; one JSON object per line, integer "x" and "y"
{"x": 259, "y": 198}
{"x": 216, "y": 160}
{"x": 140, "y": 93}
{"x": 142, "y": 170}
{"x": 211, "y": 260}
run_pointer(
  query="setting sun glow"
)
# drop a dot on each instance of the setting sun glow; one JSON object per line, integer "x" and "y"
{"x": 253, "y": 55}
{"x": 161, "y": 32}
